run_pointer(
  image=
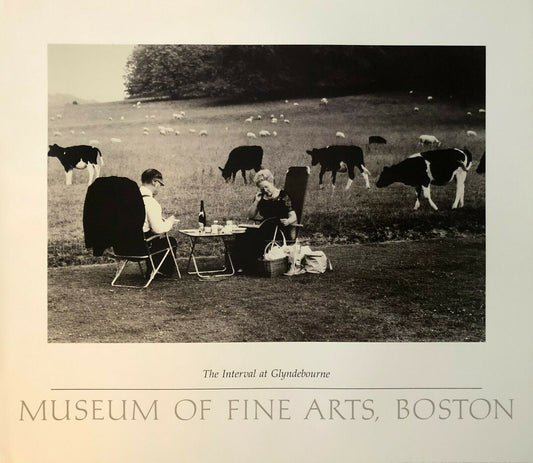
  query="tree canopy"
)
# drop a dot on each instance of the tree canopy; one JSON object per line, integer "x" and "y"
{"x": 282, "y": 71}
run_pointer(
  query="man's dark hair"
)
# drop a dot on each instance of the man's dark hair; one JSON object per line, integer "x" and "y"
{"x": 151, "y": 174}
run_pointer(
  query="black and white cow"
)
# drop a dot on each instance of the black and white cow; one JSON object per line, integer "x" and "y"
{"x": 242, "y": 158}
{"x": 339, "y": 158}
{"x": 376, "y": 139}
{"x": 481, "y": 166}
{"x": 78, "y": 157}
{"x": 436, "y": 167}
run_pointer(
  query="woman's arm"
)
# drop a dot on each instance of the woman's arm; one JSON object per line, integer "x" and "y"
{"x": 253, "y": 210}
{"x": 289, "y": 220}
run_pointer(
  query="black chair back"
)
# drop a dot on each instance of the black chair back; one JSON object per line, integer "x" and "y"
{"x": 113, "y": 216}
{"x": 296, "y": 187}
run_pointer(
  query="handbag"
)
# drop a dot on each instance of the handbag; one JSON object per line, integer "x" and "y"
{"x": 316, "y": 262}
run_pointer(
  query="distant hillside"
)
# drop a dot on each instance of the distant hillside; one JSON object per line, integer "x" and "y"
{"x": 61, "y": 99}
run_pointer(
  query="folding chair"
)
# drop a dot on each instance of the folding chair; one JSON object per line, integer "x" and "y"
{"x": 113, "y": 216}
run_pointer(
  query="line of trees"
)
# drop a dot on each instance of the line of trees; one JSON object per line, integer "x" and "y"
{"x": 281, "y": 71}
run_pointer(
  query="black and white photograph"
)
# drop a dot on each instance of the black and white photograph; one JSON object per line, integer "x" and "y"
{"x": 266, "y": 231}
{"x": 266, "y": 193}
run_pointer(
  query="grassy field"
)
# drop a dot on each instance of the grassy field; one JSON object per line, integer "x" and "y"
{"x": 190, "y": 163}
{"x": 426, "y": 284}
{"x": 430, "y": 290}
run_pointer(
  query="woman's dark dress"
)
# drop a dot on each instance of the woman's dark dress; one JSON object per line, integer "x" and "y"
{"x": 250, "y": 246}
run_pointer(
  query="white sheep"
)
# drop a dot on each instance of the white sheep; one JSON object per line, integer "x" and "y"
{"x": 146, "y": 129}
{"x": 324, "y": 101}
{"x": 430, "y": 98}
{"x": 94, "y": 142}
{"x": 162, "y": 131}
{"x": 59, "y": 116}
{"x": 203, "y": 133}
{"x": 83, "y": 132}
{"x": 264, "y": 133}
{"x": 110, "y": 118}
{"x": 481, "y": 110}
{"x": 57, "y": 133}
{"x": 152, "y": 116}
{"x": 177, "y": 116}
{"x": 259, "y": 117}
{"x": 176, "y": 132}
{"x": 251, "y": 135}
{"x": 116, "y": 140}
{"x": 428, "y": 140}
{"x": 250, "y": 119}
{"x": 281, "y": 116}
{"x": 192, "y": 130}
{"x": 72, "y": 132}
{"x": 469, "y": 114}
{"x": 275, "y": 134}
{"x": 296, "y": 104}
{"x": 274, "y": 120}
{"x": 340, "y": 135}
{"x": 52, "y": 118}
{"x": 138, "y": 103}
{"x": 169, "y": 129}
{"x": 411, "y": 92}
{"x": 287, "y": 121}
{"x": 471, "y": 133}
{"x": 416, "y": 109}
{"x": 121, "y": 118}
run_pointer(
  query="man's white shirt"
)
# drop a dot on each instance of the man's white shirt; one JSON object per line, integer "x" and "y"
{"x": 153, "y": 219}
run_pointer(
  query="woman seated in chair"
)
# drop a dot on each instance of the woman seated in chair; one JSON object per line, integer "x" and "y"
{"x": 273, "y": 207}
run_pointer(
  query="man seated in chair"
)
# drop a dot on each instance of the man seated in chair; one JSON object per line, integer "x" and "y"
{"x": 154, "y": 223}
{"x": 274, "y": 207}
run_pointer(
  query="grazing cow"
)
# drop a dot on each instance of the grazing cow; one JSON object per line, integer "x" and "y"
{"x": 339, "y": 158}
{"x": 429, "y": 140}
{"x": 437, "y": 167}
{"x": 78, "y": 157}
{"x": 242, "y": 158}
{"x": 376, "y": 139}
{"x": 481, "y": 166}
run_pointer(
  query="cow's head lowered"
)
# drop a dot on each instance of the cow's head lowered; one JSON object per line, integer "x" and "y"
{"x": 386, "y": 178}
{"x": 315, "y": 155}
{"x": 226, "y": 174}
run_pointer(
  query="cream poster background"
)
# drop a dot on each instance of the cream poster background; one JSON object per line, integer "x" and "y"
{"x": 171, "y": 375}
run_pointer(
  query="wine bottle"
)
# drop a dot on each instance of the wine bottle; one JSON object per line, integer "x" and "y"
{"x": 202, "y": 219}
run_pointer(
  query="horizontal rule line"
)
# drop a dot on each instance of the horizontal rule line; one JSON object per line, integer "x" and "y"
{"x": 269, "y": 388}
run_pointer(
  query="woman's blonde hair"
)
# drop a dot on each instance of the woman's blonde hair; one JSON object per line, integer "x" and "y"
{"x": 263, "y": 174}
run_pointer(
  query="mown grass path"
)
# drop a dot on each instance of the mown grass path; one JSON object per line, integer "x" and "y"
{"x": 430, "y": 290}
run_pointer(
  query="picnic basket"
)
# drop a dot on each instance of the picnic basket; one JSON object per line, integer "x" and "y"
{"x": 270, "y": 266}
